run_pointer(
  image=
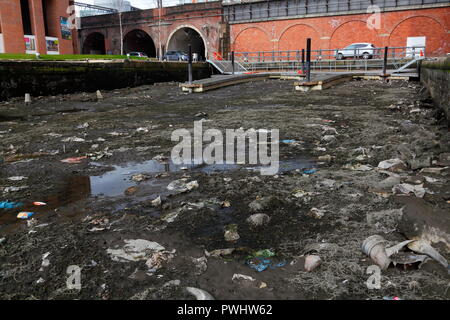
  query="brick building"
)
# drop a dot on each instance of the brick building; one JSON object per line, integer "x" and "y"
{"x": 261, "y": 25}
{"x": 30, "y": 26}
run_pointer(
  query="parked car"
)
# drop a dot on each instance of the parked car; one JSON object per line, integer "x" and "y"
{"x": 175, "y": 56}
{"x": 137, "y": 54}
{"x": 361, "y": 50}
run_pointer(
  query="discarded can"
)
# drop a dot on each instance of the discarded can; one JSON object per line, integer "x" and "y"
{"x": 25, "y": 215}
{"x": 38, "y": 203}
{"x": 374, "y": 247}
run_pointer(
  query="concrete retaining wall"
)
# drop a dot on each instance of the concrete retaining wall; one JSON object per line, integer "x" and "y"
{"x": 435, "y": 75}
{"x": 50, "y": 78}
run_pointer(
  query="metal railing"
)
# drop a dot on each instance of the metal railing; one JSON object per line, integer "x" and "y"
{"x": 329, "y": 59}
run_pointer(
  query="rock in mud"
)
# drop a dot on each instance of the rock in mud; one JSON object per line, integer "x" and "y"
{"x": 316, "y": 213}
{"x": 130, "y": 191}
{"x": 385, "y": 220}
{"x": 419, "y": 163}
{"x": 258, "y": 219}
{"x": 422, "y": 221}
{"x": 231, "y": 233}
{"x": 201, "y": 265}
{"x": 263, "y": 203}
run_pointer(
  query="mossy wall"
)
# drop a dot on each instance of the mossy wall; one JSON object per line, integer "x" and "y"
{"x": 435, "y": 75}
{"x": 41, "y": 78}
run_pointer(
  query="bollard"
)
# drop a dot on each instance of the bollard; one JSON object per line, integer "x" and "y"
{"x": 190, "y": 65}
{"x": 27, "y": 98}
{"x": 385, "y": 61}
{"x": 308, "y": 59}
{"x": 232, "y": 62}
{"x": 99, "y": 95}
{"x": 303, "y": 61}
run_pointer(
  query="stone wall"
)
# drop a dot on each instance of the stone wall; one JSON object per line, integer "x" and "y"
{"x": 50, "y": 78}
{"x": 435, "y": 75}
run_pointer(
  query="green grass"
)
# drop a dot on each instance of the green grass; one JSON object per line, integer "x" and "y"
{"x": 24, "y": 56}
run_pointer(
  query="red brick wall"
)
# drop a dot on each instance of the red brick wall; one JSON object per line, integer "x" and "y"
{"x": 206, "y": 23}
{"x": 11, "y": 24}
{"x": 340, "y": 31}
{"x": 12, "y": 30}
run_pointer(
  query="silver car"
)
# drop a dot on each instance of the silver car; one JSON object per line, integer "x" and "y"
{"x": 357, "y": 50}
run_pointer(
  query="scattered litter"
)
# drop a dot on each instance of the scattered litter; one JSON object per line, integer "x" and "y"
{"x": 157, "y": 260}
{"x": 37, "y": 203}
{"x": 265, "y": 253}
{"x": 423, "y": 247}
{"x": 181, "y": 185}
{"x": 406, "y": 188}
{"x": 74, "y": 160}
{"x": 73, "y": 139}
{"x": 45, "y": 261}
{"x": 14, "y": 189}
{"x": 220, "y": 252}
{"x": 391, "y": 164}
{"x": 135, "y": 250}
{"x": 10, "y": 205}
{"x": 225, "y": 204}
{"x": 261, "y": 264}
{"x": 237, "y": 277}
{"x": 391, "y": 298}
{"x": 358, "y": 167}
{"x": 83, "y": 126}
{"x": 17, "y": 178}
{"x": 140, "y": 177}
{"x": 157, "y": 202}
{"x": 25, "y": 215}
{"x": 309, "y": 171}
{"x": 287, "y": 141}
{"x": 199, "y": 294}
{"x": 312, "y": 262}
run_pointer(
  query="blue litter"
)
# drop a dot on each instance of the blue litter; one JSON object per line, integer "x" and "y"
{"x": 264, "y": 264}
{"x": 288, "y": 141}
{"x": 310, "y": 171}
{"x": 10, "y": 205}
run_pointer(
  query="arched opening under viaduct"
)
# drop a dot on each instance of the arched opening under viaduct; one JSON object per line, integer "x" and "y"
{"x": 184, "y": 37}
{"x": 139, "y": 41}
{"x": 94, "y": 44}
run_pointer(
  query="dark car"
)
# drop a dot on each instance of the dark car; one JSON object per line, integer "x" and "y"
{"x": 175, "y": 56}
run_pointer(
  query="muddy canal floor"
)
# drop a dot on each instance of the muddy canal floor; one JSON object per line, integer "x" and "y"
{"x": 93, "y": 207}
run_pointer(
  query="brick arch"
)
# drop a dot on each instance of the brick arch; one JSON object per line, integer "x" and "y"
{"x": 252, "y": 39}
{"x": 294, "y": 37}
{"x": 437, "y": 38}
{"x": 353, "y": 31}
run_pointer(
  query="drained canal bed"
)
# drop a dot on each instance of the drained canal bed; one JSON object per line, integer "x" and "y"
{"x": 213, "y": 223}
